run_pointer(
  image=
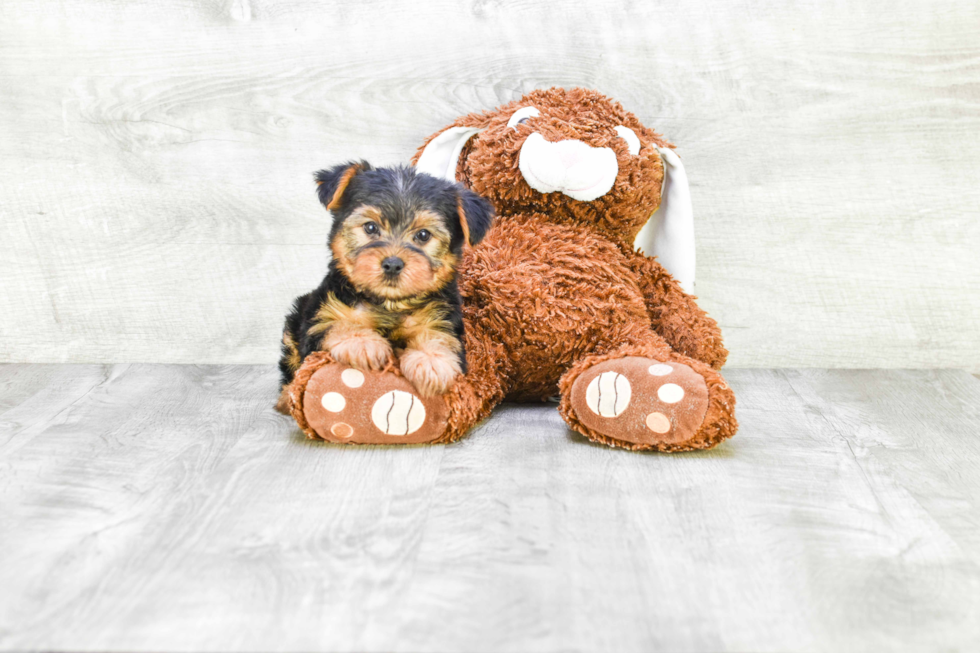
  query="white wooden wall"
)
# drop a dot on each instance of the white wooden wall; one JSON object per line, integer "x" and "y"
{"x": 156, "y": 201}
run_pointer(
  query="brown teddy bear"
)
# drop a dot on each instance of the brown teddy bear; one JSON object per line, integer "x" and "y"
{"x": 556, "y": 299}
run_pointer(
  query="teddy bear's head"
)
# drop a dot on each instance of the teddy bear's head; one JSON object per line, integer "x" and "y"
{"x": 573, "y": 155}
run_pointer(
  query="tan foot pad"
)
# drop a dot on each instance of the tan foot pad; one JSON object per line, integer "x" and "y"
{"x": 350, "y": 406}
{"x": 641, "y": 400}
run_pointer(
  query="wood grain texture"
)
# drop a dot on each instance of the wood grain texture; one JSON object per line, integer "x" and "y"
{"x": 164, "y": 508}
{"x": 156, "y": 201}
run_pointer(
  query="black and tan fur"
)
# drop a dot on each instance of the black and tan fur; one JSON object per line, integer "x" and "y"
{"x": 367, "y": 317}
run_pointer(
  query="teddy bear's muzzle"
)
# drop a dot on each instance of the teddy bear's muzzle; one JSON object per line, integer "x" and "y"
{"x": 571, "y": 167}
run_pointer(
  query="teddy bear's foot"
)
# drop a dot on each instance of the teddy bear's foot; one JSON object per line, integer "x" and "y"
{"x": 641, "y": 403}
{"x": 346, "y": 405}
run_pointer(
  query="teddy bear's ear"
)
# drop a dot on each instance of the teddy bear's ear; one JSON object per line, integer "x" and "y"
{"x": 332, "y": 183}
{"x": 669, "y": 234}
{"x": 475, "y": 215}
{"x": 441, "y": 155}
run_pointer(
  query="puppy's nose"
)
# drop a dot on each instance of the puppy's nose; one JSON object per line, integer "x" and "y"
{"x": 392, "y": 265}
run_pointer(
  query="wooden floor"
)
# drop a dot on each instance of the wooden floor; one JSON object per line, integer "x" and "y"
{"x": 165, "y": 508}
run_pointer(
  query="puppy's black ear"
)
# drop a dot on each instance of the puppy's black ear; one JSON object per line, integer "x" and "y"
{"x": 332, "y": 183}
{"x": 475, "y": 215}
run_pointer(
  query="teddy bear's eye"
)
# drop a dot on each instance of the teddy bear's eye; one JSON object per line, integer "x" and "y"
{"x": 522, "y": 115}
{"x": 632, "y": 141}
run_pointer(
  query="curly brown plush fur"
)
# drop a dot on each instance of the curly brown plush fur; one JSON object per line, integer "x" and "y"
{"x": 556, "y": 294}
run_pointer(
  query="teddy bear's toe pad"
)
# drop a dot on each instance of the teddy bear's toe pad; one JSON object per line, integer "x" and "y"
{"x": 641, "y": 400}
{"x": 346, "y": 405}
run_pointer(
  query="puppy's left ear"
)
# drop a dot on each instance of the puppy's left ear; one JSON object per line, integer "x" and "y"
{"x": 332, "y": 183}
{"x": 475, "y": 215}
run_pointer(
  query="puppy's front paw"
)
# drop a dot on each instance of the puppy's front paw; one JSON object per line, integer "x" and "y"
{"x": 432, "y": 371}
{"x": 363, "y": 350}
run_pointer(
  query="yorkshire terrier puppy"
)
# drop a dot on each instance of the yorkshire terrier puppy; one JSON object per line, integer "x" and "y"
{"x": 390, "y": 289}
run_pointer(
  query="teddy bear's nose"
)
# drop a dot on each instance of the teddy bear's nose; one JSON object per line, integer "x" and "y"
{"x": 572, "y": 167}
{"x": 570, "y": 156}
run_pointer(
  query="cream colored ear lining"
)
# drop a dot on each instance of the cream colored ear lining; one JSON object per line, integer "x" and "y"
{"x": 669, "y": 233}
{"x": 441, "y": 155}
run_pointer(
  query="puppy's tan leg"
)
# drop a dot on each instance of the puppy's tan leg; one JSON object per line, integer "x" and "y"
{"x": 282, "y": 405}
{"x": 351, "y": 336}
{"x": 431, "y": 360}
{"x": 432, "y": 367}
{"x": 366, "y": 350}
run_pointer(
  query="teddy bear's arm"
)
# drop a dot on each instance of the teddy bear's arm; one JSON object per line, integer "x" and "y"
{"x": 676, "y": 316}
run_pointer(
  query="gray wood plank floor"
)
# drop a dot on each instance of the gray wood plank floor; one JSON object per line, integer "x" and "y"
{"x": 149, "y": 507}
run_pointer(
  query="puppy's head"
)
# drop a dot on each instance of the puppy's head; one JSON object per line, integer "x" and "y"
{"x": 397, "y": 233}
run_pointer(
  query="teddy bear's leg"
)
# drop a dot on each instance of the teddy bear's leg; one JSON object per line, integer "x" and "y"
{"x": 676, "y": 316}
{"x": 646, "y": 396}
{"x": 335, "y": 402}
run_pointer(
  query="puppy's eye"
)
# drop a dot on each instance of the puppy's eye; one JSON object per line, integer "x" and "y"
{"x": 522, "y": 115}
{"x": 371, "y": 228}
{"x": 423, "y": 236}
